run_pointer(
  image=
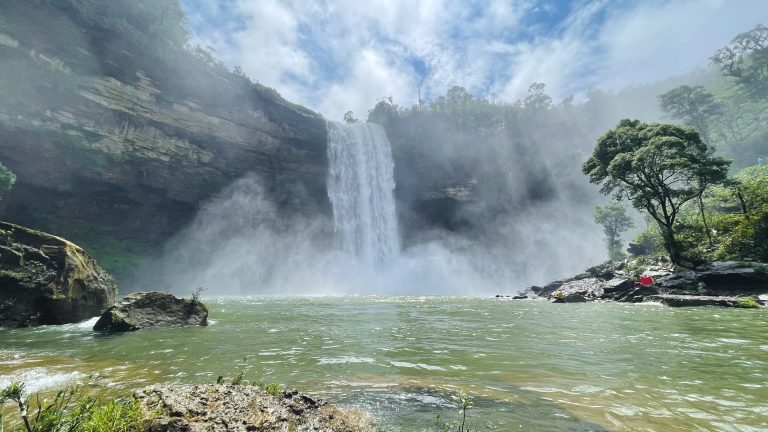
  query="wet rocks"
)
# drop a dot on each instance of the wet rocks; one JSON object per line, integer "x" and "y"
{"x": 223, "y": 407}
{"x": 694, "y": 300}
{"x": 582, "y": 289}
{"x": 152, "y": 309}
{"x": 46, "y": 279}
{"x": 717, "y": 283}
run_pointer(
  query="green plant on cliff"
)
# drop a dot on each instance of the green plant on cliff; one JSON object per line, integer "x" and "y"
{"x": 7, "y": 179}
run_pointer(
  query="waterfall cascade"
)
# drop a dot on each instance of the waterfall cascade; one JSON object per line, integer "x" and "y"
{"x": 361, "y": 189}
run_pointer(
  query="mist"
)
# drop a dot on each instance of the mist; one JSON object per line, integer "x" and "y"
{"x": 239, "y": 244}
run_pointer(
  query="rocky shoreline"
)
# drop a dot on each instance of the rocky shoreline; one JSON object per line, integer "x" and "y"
{"x": 722, "y": 283}
{"x": 234, "y": 408}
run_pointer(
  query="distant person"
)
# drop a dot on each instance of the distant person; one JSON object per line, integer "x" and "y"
{"x": 760, "y": 161}
{"x": 645, "y": 281}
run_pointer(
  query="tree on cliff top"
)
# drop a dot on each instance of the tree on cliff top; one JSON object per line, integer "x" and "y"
{"x": 613, "y": 217}
{"x": 658, "y": 167}
{"x": 746, "y": 60}
{"x": 7, "y": 179}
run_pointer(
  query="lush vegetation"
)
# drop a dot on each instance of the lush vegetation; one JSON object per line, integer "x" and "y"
{"x": 730, "y": 220}
{"x": 658, "y": 168}
{"x": 71, "y": 410}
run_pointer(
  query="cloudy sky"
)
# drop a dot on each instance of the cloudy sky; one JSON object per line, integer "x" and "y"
{"x": 339, "y": 55}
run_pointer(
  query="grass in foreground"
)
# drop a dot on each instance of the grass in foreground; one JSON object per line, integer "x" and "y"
{"x": 70, "y": 410}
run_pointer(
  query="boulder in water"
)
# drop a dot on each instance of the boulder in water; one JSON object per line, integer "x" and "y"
{"x": 152, "y": 309}
{"x": 46, "y": 279}
{"x": 223, "y": 407}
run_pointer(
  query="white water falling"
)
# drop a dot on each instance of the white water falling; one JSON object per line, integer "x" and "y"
{"x": 361, "y": 188}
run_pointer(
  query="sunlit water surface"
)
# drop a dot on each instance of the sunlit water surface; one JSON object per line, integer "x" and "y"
{"x": 528, "y": 365}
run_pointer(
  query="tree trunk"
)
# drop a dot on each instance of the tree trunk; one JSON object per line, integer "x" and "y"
{"x": 743, "y": 204}
{"x": 670, "y": 244}
{"x": 704, "y": 219}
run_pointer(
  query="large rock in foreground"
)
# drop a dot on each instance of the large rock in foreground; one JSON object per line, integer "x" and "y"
{"x": 46, "y": 279}
{"x": 152, "y": 309}
{"x": 232, "y": 408}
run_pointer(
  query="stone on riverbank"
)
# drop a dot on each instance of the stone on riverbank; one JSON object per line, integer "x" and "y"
{"x": 152, "y": 309}
{"x": 46, "y": 279}
{"x": 234, "y": 408}
{"x": 695, "y": 300}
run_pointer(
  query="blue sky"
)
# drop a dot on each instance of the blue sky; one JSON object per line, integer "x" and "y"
{"x": 335, "y": 56}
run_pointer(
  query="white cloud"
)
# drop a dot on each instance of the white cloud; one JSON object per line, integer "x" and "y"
{"x": 371, "y": 78}
{"x": 335, "y": 56}
{"x": 654, "y": 41}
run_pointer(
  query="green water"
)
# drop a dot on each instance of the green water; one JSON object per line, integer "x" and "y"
{"x": 530, "y": 366}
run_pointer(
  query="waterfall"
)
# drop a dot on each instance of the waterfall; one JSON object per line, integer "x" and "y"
{"x": 360, "y": 187}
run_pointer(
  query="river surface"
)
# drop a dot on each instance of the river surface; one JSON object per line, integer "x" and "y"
{"x": 528, "y": 365}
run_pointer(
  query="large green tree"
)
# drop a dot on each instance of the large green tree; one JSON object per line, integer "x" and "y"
{"x": 658, "y": 167}
{"x": 613, "y": 217}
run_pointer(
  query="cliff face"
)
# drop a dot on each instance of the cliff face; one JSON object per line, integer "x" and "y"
{"x": 108, "y": 144}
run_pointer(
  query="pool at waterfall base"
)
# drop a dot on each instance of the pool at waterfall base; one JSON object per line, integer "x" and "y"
{"x": 527, "y": 365}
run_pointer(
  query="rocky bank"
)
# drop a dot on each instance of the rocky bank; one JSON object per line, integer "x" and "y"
{"x": 233, "y": 408}
{"x": 723, "y": 283}
{"x": 45, "y": 279}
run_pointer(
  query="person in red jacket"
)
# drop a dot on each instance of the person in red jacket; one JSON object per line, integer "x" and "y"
{"x": 646, "y": 280}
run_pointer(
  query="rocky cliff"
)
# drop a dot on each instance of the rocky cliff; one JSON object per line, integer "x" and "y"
{"x": 116, "y": 146}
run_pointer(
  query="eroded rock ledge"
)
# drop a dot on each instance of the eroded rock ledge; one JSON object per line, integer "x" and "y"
{"x": 233, "y": 408}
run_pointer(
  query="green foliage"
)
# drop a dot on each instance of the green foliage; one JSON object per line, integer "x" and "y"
{"x": 613, "y": 217}
{"x": 72, "y": 410}
{"x": 650, "y": 241}
{"x": 7, "y": 179}
{"x": 658, "y": 167}
{"x": 273, "y": 388}
{"x": 197, "y": 295}
{"x": 735, "y": 234}
{"x": 748, "y": 303}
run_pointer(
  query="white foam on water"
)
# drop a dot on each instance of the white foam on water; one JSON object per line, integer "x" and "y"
{"x": 38, "y": 378}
